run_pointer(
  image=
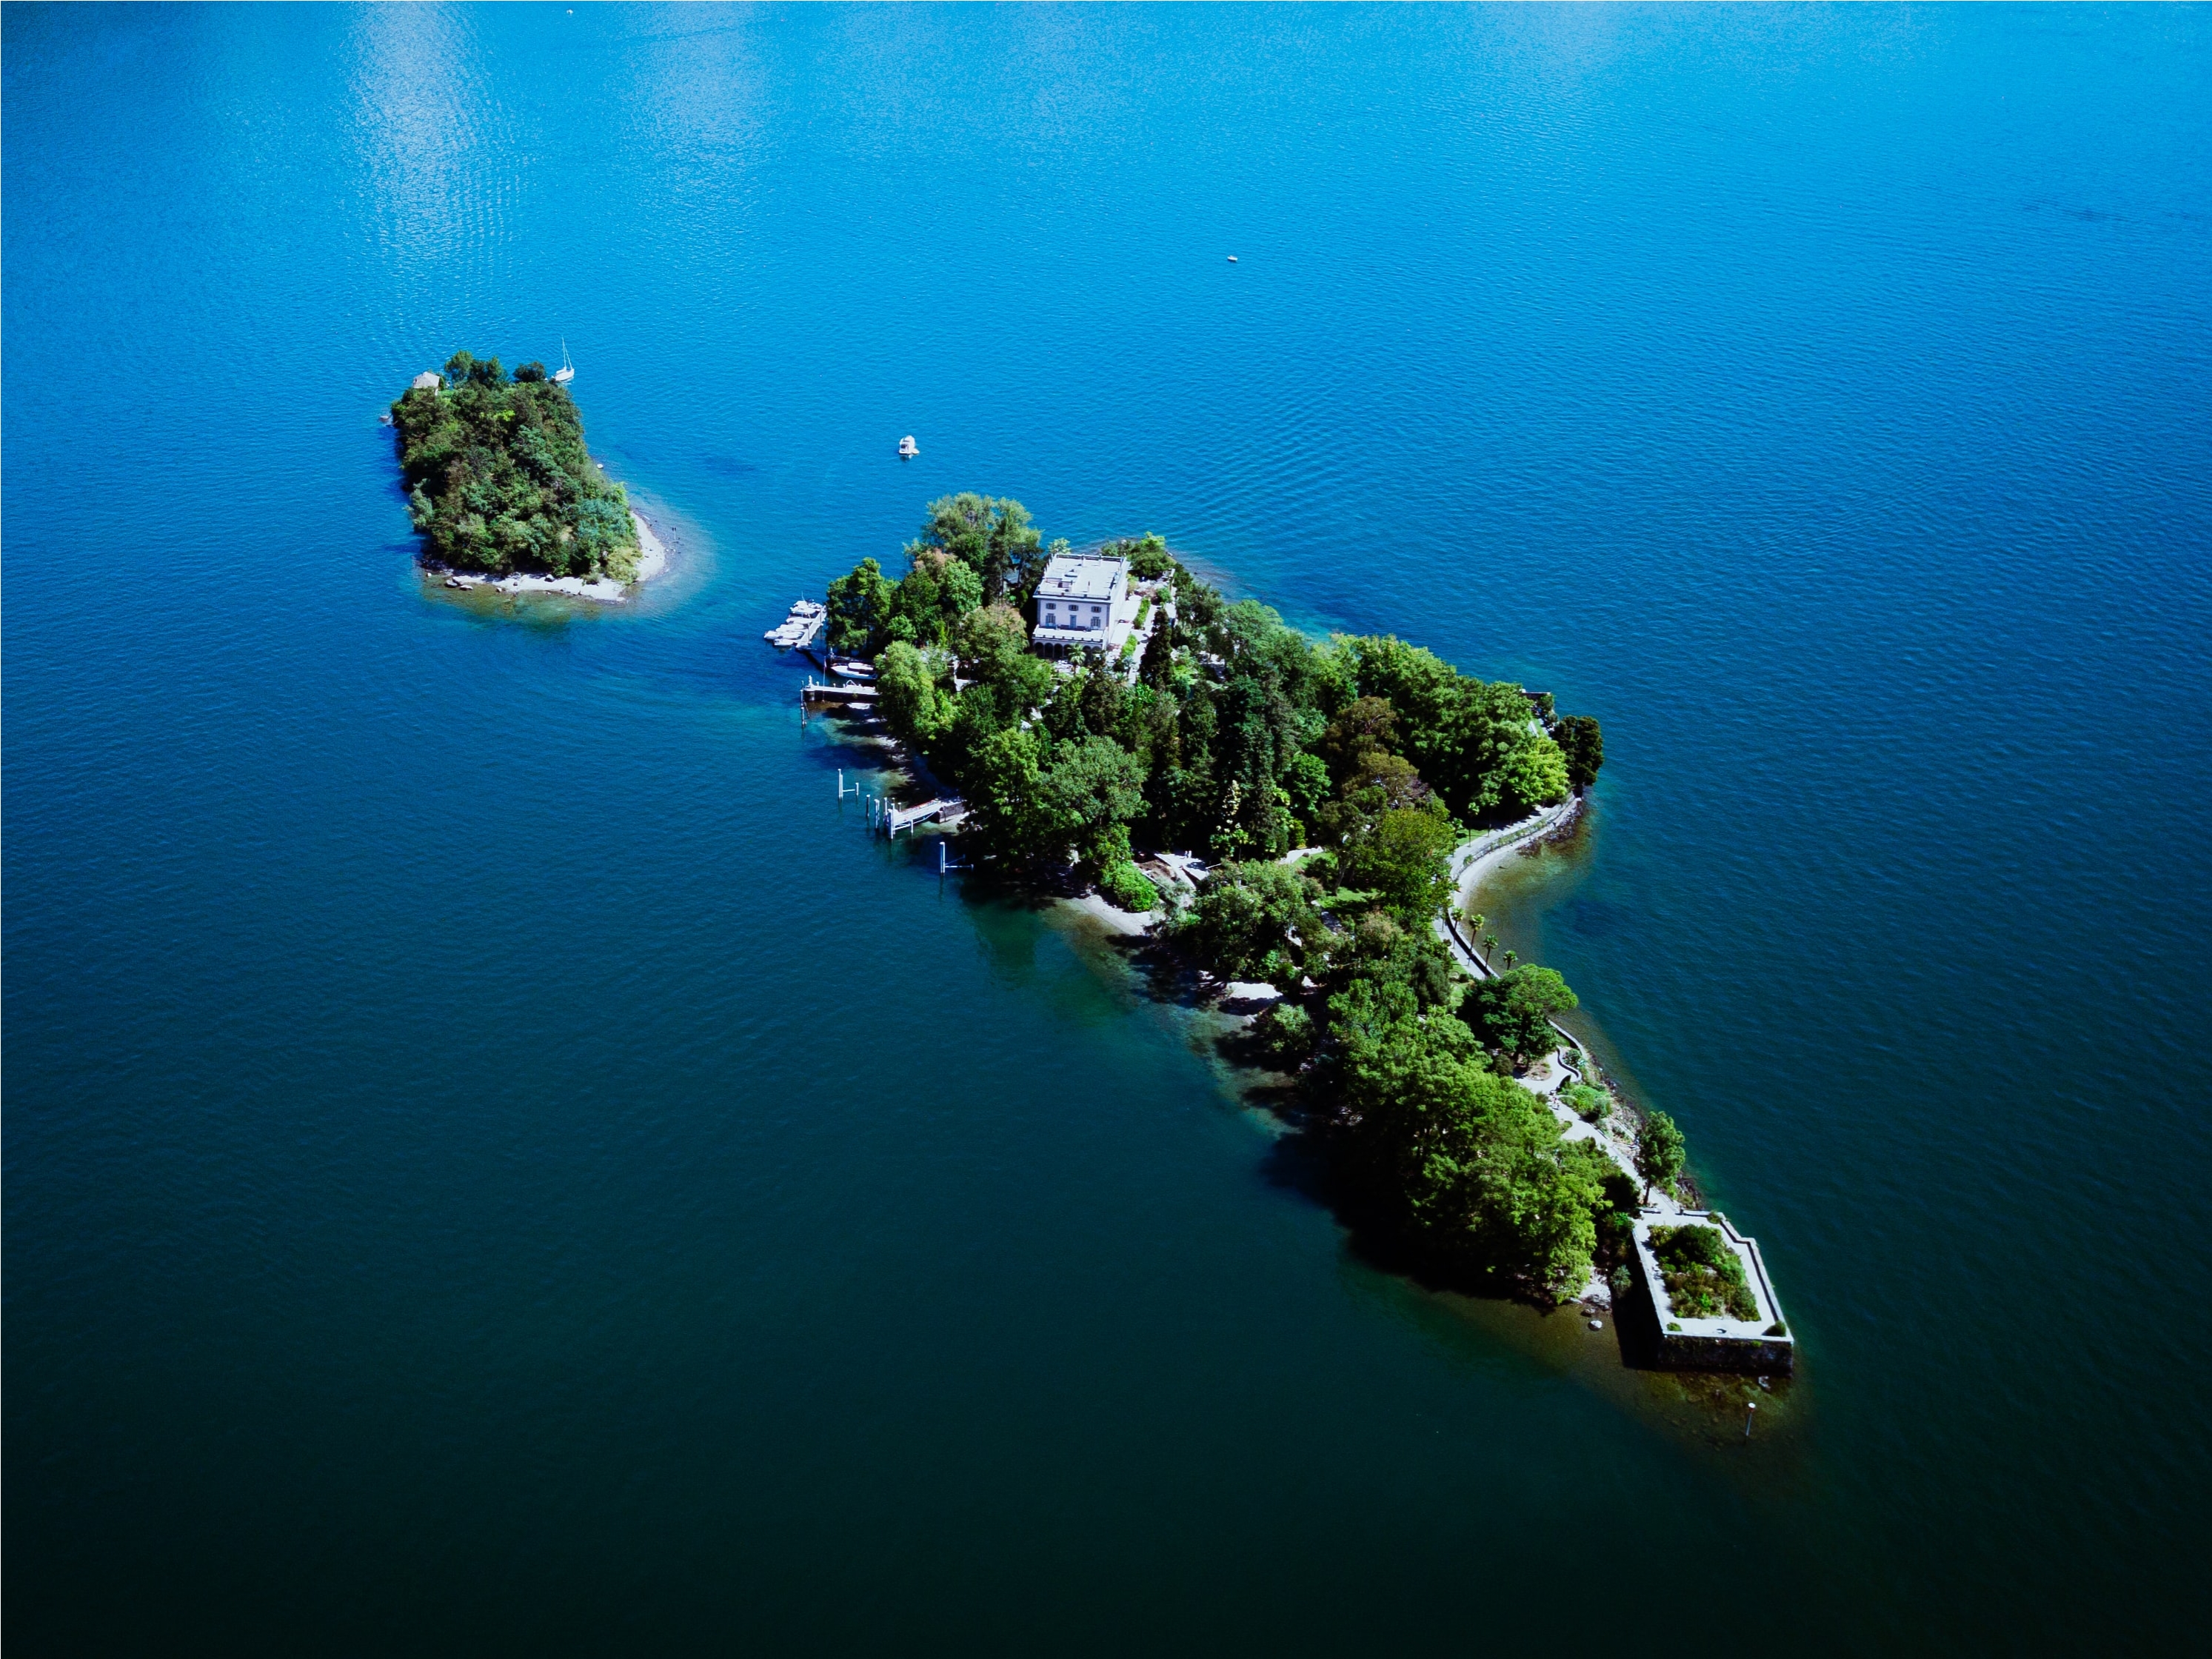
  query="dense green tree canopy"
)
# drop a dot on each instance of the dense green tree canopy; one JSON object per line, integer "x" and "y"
{"x": 915, "y": 702}
{"x": 859, "y": 608}
{"x": 1660, "y": 1153}
{"x": 1403, "y": 855}
{"x": 1257, "y": 921}
{"x": 993, "y": 538}
{"x": 1089, "y": 792}
{"x": 498, "y": 478}
{"x": 1148, "y": 555}
{"x": 1582, "y": 746}
{"x": 928, "y": 607}
{"x": 1474, "y": 1164}
{"x": 1248, "y": 738}
{"x": 1513, "y": 1011}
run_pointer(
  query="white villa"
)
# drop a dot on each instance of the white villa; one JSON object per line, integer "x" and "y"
{"x": 1084, "y": 599}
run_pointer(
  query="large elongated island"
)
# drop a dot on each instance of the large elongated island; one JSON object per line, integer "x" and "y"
{"x": 1306, "y": 822}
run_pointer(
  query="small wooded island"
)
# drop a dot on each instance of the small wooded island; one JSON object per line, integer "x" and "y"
{"x": 1328, "y": 795}
{"x": 499, "y": 480}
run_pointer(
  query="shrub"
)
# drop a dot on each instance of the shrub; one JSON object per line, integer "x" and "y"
{"x": 1590, "y": 1105}
{"x": 1704, "y": 1276}
{"x": 1127, "y": 886}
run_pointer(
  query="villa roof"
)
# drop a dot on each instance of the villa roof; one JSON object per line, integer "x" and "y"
{"x": 1082, "y": 576}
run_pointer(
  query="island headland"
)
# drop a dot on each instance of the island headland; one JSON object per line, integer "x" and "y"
{"x": 1304, "y": 825}
{"x": 504, "y": 493}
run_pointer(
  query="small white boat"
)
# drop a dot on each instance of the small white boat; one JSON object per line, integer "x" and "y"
{"x": 566, "y": 372}
{"x": 1232, "y": 259}
{"x": 907, "y": 448}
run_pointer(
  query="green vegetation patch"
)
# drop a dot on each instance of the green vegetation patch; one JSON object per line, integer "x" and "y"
{"x": 1704, "y": 1276}
{"x": 1591, "y": 1104}
{"x": 498, "y": 478}
{"x": 1127, "y": 886}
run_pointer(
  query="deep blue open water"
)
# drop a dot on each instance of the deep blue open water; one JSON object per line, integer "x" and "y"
{"x": 494, "y": 1162}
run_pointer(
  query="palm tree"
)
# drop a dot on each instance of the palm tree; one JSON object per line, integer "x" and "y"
{"x": 1489, "y": 944}
{"x": 1508, "y": 962}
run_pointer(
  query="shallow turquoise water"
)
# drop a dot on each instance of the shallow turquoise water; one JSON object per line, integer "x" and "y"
{"x": 495, "y": 1160}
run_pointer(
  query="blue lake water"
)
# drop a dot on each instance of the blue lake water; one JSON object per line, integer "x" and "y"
{"x": 495, "y": 1161}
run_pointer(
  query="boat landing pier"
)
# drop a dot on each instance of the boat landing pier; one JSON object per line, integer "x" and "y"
{"x": 850, "y": 694}
{"x": 945, "y": 809}
{"x": 800, "y": 629}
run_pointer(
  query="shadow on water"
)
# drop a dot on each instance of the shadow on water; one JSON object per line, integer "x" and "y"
{"x": 1616, "y": 1357}
{"x": 1612, "y": 1351}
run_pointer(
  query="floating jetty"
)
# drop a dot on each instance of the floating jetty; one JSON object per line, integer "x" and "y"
{"x": 799, "y": 628}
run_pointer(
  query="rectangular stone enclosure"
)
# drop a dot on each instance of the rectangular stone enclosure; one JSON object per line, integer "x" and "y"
{"x": 1763, "y": 1345}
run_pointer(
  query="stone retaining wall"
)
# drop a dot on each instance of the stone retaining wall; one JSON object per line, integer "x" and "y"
{"x": 1715, "y": 1345}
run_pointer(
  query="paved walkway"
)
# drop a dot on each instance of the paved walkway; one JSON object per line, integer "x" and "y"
{"x": 1470, "y": 863}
